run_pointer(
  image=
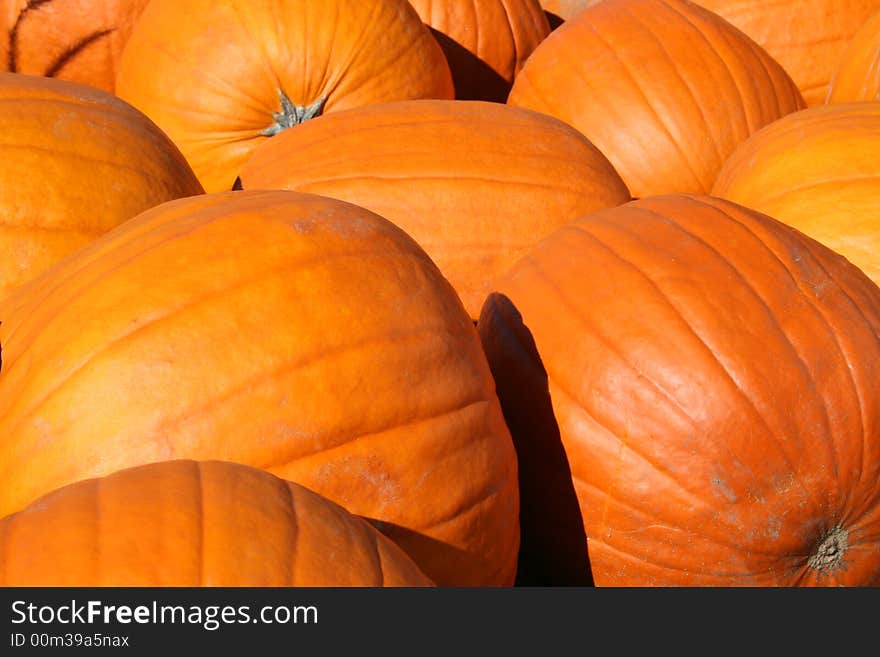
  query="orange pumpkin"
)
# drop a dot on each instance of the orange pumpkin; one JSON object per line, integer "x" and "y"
{"x": 807, "y": 37}
{"x": 692, "y": 389}
{"x": 485, "y": 42}
{"x": 666, "y": 90}
{"x": 559, "y": 11}
{"x": 287, "y": 331}
{"x": 819, "y": 171}
{"x": 191, "y": 523}
{"x": 221, "y": 78}
{"x": 74, "y": 163}
{"x": 77, "y": 40}
{"x": 857, "y": 76}
{"x": 474, "y": 183}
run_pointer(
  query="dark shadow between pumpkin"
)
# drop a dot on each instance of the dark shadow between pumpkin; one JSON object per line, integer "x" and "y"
{"x": 553, "y": 549}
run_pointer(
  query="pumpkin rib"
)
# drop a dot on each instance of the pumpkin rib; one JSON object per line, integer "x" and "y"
{"x": 803, "y": 365}
{"x": 74, "y": 155}
{"x": 296, "y": 535}
{"x": 614, "y": 439}
{"x": 637, "y": 85}
{"x": 717, "y": 538}
{"x": 833, "y": 333}
{"x": 787, "y": 339}
{"x": 699, "y": 338}
{"x": 301, "y": 459}
{"x": 59, "y": 282}
{"x": 672, "y": 64}
{"x": 200, "y": 514}
{"x": 243, "y": 387}
{"x": 736, "y": 385}
{"x": 778, "y": 196}
{"x": 452, "y": 176}
{"x": 725, "y": 66}
{"x": 287, "y": 369}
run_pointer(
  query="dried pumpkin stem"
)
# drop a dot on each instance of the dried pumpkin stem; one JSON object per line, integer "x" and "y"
{"x": 291, "y": 115}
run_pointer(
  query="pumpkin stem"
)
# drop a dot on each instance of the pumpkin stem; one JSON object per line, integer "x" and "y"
{"x": 830, "y": 551}
{"x": 291, "y": 115}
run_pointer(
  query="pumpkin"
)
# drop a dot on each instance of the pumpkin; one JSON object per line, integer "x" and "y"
{"x": 77, "y": 40}
{"x": 692, "y": 389}
{"x": 485, "y": 42}
{"x": 857, "y": 76}
{"x": 475, "y": 183}
{"x": 666, "y": 90}
{"x": 75, "y": 162}
{"x": 559, "y": 11}
{"x": 192, "y": 523}
{"x": 221, "y": 78}
{"x": 807, "y": 37}
{"x": 296, "y": 333}
{"x": 819, "y": 171}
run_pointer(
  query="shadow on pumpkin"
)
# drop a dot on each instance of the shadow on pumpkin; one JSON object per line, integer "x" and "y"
{"x": 554, "y": 20}
{"x": 419, "y": 546}
{"x": 553, "y": 549}
{"x": 473, "y": 78}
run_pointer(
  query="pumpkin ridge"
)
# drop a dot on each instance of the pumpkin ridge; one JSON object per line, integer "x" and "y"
{"x": 793, "y": 189}
{"x": 72, "y": 154}
{"x": 153, "y": 322}
{"x": 615, "y": 440}
{"x": 200, "y": 515}
{"x": 286, "y": 368}
{"x": 638, "y": 87}
{"x": 759, "y": 297}
{"x": 288, "y": 461}
{"x": 725, "y": 64}
{"x": 833, "y": 333}
{"x": 72, "y": 51}
{"x": 295, "y": 532}
{"x": 716, "y": 539}
{"x": 672, "y": 65}
{"x": 737, "y": 387}
{"x": 12, "y": 56}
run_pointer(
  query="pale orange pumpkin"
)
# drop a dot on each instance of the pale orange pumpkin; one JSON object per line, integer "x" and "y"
{"x": 808, "y": 37}
{"x": 819, "y": 171}
{"x": 221, "y": 78}
{"x": 857, "y": 76}
{"x": 77, "y": 40}
{"x": 192, "y": 523}
{"x": 485, "y": 42}
{"x": 692, "y": 389}
{"x": 475, "y": 183}
{"x": 665, "y": 89}
{"x": 292, "y": 332}
{"x": 75, "y": 162}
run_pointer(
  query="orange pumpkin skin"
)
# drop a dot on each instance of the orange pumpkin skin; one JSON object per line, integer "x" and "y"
{"x": 76, "y": 40}
{"x": 192, "y": 523}
{"x": 212, "y": 75}
{"x": 807, "y": 37}
{"x": 857, "y": 76}
{"x": 666, "y": 90}
{"x": 562, "y": 10}
{"x": 474, "y": 183}
{"x": 486, "y": 42}
{"x": 74, "y": 163}
{"x": 291, "y": 332}
{"x": 819, "y": 171}
{"x": 711, "y": 376}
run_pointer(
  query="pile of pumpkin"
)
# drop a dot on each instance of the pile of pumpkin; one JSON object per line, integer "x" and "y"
{"x": 456, "y": 293}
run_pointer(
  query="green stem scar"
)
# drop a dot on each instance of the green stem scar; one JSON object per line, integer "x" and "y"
{"x": 291, "y": 115}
